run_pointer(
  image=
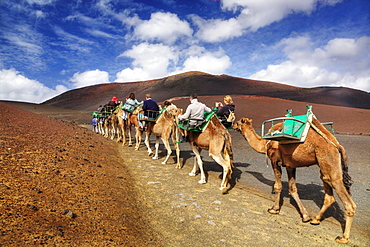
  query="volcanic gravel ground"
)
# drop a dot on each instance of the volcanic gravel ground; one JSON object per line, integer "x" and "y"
{"x": 62, "y": 185}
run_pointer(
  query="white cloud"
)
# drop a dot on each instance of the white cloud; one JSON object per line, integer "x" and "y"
{"x": 17, "y": 87}
{"x": 39, "y": 14}
{"x": 40, "y": 2}
{"x": 89, "y": 78}
{"x": 341, "y": 62}
{"x": 253, "y": 15}
{"x": 149, "y": 61}
{"x": 99, "y": 33}
{"x": 24, "y": 37}
{"x": 199, "y": 59}
{"x": 162, "y": 27}
{"x": 157, "y": 60}
{"x": 217, "y": 30}
{"x": 73, "y": 42}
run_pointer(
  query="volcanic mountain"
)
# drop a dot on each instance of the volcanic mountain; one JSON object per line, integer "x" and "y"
{"x": 182, "y": 85}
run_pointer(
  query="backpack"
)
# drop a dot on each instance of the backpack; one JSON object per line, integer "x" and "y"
{"x": 231, "y": 117}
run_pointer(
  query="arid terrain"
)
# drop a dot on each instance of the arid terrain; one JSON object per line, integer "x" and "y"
{"x": 61, "y": 184}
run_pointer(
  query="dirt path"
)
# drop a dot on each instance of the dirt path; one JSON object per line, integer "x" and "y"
{"x": 185, "y": 213}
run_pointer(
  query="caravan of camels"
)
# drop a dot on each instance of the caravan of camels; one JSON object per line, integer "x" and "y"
{"x": 291, "y": 142}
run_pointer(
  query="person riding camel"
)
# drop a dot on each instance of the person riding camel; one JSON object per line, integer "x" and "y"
{"x": 113, "y": 102}
{"x": 194, "y": 112}
{"x": 223, "y": 111}
{"x": 130, "y": 105}
{"x": 149, "y": 105}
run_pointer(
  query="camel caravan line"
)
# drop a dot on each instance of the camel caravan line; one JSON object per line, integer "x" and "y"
{"x": 291, "y": 142}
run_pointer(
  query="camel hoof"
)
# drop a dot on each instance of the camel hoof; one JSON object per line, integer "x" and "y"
{"x": 273, "y": 211}
{"x": 342, "y": 240}
{"x": 192, "y": 174}
{"x": 223, "y": 190}
{"x": 305, "y": 218}
{"x": 315, "y": 222}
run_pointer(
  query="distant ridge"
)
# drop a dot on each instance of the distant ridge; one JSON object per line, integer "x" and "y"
{"x": 180, "y": 85}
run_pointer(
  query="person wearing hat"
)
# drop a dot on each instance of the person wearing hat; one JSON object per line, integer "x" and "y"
{"x": 113, "y": 102}
{"x": 194, "y": 111}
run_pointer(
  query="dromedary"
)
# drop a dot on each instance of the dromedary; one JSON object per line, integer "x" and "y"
{"x": 132, "y": 121}
{"x": 120, "y": 125}
{"x": 217, "y": 140}
{"x": 321, "y": 148}
{"x": 164, "y": 127}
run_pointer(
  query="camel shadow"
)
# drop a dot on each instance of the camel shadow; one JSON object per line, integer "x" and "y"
{"x": 310, "y": 192}
{"x": 214, "y": 167}
{"x": 210, "y": 166}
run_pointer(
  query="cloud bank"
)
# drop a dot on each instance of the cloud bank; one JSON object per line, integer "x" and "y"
{"x": 16, "y": 87}
{"x": 341, "y": 62}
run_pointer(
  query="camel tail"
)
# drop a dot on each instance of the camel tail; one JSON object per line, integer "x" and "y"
{"x": 347, "y": 180}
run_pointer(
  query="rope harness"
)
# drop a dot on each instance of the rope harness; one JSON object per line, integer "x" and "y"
{"x": 322, "y": 133}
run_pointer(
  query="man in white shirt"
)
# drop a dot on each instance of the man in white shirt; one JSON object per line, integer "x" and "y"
{"x": 195, "y": 111}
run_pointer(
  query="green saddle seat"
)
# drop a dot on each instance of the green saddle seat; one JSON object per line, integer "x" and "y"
{"x": 293, "y": 127}
{"x": 199, "y": 127}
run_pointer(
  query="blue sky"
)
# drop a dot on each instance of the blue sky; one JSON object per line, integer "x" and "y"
{"x": 51, "y": 46}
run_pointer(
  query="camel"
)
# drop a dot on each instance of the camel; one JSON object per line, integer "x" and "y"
{"x": 320, "y": 148}
{"x": 108, "y": 127}
{"x": 120, "y": 125}
{"x": 217, "y": 140}
{"x": 132, "y": 121}
{"x": 164, "y": 127}
{"x": 100, "y": 125}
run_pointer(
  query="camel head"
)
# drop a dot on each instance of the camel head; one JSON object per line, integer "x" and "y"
{"x": 238, "y": 125}
{"x": 173, "y": 110}
{"x": 137, "y": 110}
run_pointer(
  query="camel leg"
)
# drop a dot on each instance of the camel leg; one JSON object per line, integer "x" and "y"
{"x": 328, "y": 201}
{"x": 293, "y": 191}
{"x": 349, "y": 206}
{"x": 119, "y": 133}
{"x": 198, "y": 162}
{"x": 147, "y": 143}
{"x": 226, "y": 171}
{"x": 124, "y": 141}
{"x": 100, "y": 127}
{"x": 278, "y": 187}
{"x": 137, "y": 138}
{"x": 176, "y": 145}
{"x": 168, "y": 148}
{"x": 113, "y": 132}
{"x": 155, "y": 157}
{"x": 129, "y": 136}
{"x": 105, "y": 128}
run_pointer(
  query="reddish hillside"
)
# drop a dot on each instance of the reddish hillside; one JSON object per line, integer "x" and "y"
{"x": 89, "y": 98}
{"x": 346, "y": 120}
